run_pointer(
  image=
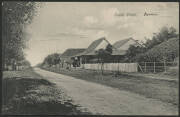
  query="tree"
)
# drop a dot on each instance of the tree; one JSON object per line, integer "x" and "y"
{"x": 133, "y": 51}
{"x": 167, "y": 51}
{"x": 164, "y": 35}
{"x": 57, "y": 59}
{"x": 52, "y": 59}
{"x": 15, "y": 17}
{"x": 104, "y": 55}
{"x": 149, "y": 52}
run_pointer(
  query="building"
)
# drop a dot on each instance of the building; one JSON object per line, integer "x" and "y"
{"x": 66, "y": 56}
{"x": 120, "y": 48}
{"x": 125, "y": 44}
{"x": 89, "y": 55}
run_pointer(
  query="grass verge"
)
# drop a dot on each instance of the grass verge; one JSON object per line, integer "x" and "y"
{"x": 25, "y": 92}
{"x": 166, "y": 91}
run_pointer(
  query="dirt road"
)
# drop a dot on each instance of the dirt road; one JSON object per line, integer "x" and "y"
{"x": 100, "y": 99}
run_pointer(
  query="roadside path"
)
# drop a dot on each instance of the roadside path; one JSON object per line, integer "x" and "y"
{"x": 100, "y": 99}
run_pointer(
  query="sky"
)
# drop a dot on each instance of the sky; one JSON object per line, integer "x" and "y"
{"x": 60, "y": 25}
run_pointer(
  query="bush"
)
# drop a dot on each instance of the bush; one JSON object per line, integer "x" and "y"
{"x": 167, "y": 51}
{"x": 162, "y": 46}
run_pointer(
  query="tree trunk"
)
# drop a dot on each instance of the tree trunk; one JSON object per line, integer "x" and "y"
{"x": 4, "y": 36}
{"x": 102, "y": 70}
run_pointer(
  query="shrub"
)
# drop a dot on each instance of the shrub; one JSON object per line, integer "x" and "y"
{"x": 167, "y": 51}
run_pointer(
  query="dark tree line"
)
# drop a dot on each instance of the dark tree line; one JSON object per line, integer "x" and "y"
{"x": 164, "y": 35}
{"x": 154, "y": 49}
{"x": 15, "y": 17}
{"x": 52, "y": 59}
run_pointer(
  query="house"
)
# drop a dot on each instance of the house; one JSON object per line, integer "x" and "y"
{"x": 66, "y": 56}
{"x": 89, "y": 55}
{"x": 120, "y": 48}
{"x": 125, "y": 44}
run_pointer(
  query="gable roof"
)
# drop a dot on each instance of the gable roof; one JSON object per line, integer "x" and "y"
{"x": 72, "y": 51}
{"x": 91, "y": 49}
{"x": 120, "y": 43}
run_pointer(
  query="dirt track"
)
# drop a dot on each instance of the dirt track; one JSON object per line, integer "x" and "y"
{"x": 100, "y": 99}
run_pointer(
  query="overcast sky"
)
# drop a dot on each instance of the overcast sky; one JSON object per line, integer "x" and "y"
{"x": 59, "y": 26}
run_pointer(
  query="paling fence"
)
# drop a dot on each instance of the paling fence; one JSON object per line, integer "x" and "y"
{"x": 122, "y": 67}
{"x": 17, "y": 67}
{"x": 132, "y": 67}
{"x": 155, "y": 66}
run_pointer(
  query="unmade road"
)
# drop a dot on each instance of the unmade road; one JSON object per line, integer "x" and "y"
{"x": 100, "y": 99}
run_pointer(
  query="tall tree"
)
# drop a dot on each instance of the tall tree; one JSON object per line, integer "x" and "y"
{"x": 144, "y": 54}
{"x": 164, "y": 34}
{"x": 15, "y": 17}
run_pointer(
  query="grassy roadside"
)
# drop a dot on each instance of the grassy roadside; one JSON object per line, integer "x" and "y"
{"x": 25, "y": 92}
{"x": 166, "y": 91}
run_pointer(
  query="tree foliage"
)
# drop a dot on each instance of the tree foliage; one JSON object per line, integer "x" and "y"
{"x": 164, "y": 35}
{"x": 52, "y": 59}
{"x": 104, "y": 55}
{"x": 162, "y": 46}
{"x": 24, "y": 63}
{"x": 15, "y": 17}
{"x": 166, "y": 51}
{"x": 132, "y": 52}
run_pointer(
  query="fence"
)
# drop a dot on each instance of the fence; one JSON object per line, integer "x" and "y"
{"x": 122, "y": 67}
{"x": 17, "y": 67}
{"x": 155, "y": 66}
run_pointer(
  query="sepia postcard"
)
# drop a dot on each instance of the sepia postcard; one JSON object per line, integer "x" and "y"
{"x": 90, "y": 58}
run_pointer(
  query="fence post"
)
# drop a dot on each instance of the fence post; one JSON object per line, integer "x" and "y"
{"x": 59, "y": 66}
{"x": 145, "y": 67}
{"x": 140, "y": 67}
{"x": 154, "y": 68}
{"x": 164, "y": 66}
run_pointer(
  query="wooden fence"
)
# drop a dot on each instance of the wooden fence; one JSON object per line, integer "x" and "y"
{"x": 122, "y": 67}
{"x": 132, "y": 67}
{"x": 17, "y": 67}
{"x": 155, "y": 66}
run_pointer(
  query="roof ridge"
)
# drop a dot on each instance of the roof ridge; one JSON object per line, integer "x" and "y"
{"x": 93, "y": 45}
{"x": 107, "y": 41}
{"x": 110, "y": 44}
{"x": 136, "y": 41}
{"x": 122, "y": 40}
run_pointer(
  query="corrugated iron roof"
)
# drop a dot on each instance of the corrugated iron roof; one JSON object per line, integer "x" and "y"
{"x": 119, "y": 43}
{"x": 91, "y": 49}
{"x": 72, "y": 51}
